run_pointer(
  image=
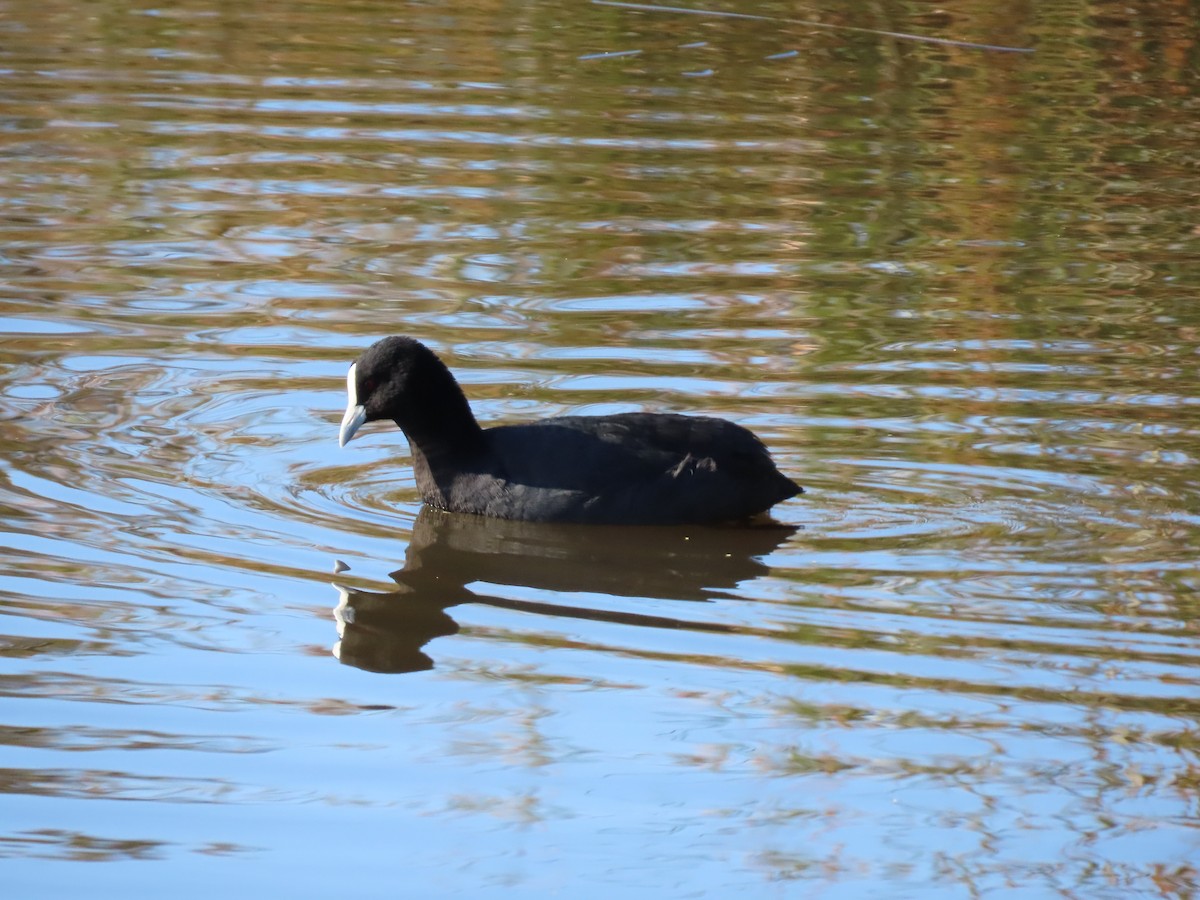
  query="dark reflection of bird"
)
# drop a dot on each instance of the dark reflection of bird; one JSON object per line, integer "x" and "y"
{"x": 384, "y": 632}
{"x": 628, "y": 469}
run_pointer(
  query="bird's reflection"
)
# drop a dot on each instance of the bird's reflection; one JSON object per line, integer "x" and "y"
{"x": 449, "y": 551}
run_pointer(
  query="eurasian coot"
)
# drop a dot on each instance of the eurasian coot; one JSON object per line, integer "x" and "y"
{"x": 630, "y": 469}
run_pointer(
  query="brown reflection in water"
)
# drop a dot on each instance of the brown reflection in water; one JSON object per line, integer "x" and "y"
{"x": 113, "y": 785}
{"x": 83, "y": 738}
{"x": 56, "y": 843}
{"x": 78, "y": 846}
{"x": 385, "y": 632}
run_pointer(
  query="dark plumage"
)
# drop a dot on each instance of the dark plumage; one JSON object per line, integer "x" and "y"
{"x": 632, "y": 469}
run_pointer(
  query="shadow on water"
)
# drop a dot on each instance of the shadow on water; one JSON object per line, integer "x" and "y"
{"x": 452, "y": 558}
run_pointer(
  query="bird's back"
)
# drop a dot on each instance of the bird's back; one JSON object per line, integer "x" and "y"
{"x": 647, "y": 468}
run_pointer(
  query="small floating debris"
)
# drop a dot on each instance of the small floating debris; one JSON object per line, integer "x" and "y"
{"x": 339, "y": 567}
{"x": 809, "y": 23}
{"x": 611, "y": 54}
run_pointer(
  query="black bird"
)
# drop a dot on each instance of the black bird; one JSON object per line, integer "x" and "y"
{"x": 627, "y": 469}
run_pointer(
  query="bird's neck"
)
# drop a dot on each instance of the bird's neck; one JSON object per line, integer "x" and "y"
{"x": 440, "y": 449}
{"x": 442, "y": 437}
{"x": 436, "y": 418}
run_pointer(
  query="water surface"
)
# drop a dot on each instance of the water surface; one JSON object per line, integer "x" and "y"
{"x": 954, "y": 291}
